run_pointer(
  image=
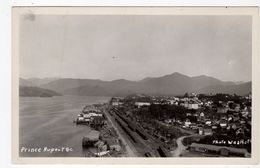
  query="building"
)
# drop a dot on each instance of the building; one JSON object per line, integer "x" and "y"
{"x": 115, "y": 101}
{"x": 220, "y": 150}
{"x": 193, "y": 106}
{"x": 223, "y": 123}
{"x": 91, "y": 138}
{"x": 222, "y": 110}
{"x": 90, "y": 115}
{"x": 186, "y": 104}
{"x": 113, "y": 144}
{"x": 208, "y": 122}
{"x": 202, "y": 114}
{"x": 214, "y": 127}
{"x": 171, "y": 101}
{"x": 237, "y": 108}
{"x": 168, "y": 121}
{"x": 200, "y": 131}
{"x": 208, "y": 131}
{"x": 205, "y": 131}
{"x": 141, "y": 104}
{"x": 187, "y": 123}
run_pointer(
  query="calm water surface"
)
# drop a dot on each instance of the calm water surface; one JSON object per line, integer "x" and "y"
{"x": 48, "y": 123}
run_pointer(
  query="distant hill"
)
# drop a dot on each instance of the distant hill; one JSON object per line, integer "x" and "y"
{"x": 24, "y": 82}
{"x": 27, "y": 91}
{"x": 41, "y": 81}
{"x": 35, "y": 81}
{"x": 172, "y": 84}
{"x": 239, "y": 89}
{"x": 177, "y": 84}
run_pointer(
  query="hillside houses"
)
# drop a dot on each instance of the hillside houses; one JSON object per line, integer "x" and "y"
{"x": 210, "y": 116}
{"x": 205, "y": 115}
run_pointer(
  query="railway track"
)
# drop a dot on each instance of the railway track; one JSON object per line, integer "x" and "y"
{"x": 144, "y": 144}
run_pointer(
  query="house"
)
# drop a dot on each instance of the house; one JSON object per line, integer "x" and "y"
{"x": 228, "y": 127}
{"x": 195, "y": 114}
{"x": 194, "y": 126}
{"x": 186, "y": 104}
{"x": 205, "y": 131}
{"x": 223, "y": 123}
{"x": 237, "y": 108}
{"x": 202, "y": 114}
{"x": 187, "y": 123}
{"x": 208, "y": 122}
{"x": 242, "y": 121}
{"x": 176, "y": 98}
{"x": 208, "y": 131}
{"x": 171, "y": 101}
{"x": 86, "y": 115}
{"x": 185, "y": 99}
{"x": 245, "y": 113}
{"x": 156, "y": 102}
{"x": 214, "y": 127}
{"x": 91, "y": 114}
{"x": 181, "y": 104}
{"x": 115, "y": 103}
{"x": 201, "y": 131}
{"x": 188, "y": 114}
{"x": 240, "y": 131}
{"x": 234, "y": 126}
{"x": 230, "y": 117}
{"x": 87, "y": 120}
{"x": 80, "y": 119}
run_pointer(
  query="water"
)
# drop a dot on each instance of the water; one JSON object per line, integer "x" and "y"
{"x": 47, "y": 124}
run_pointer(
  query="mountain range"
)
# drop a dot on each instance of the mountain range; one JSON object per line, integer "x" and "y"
{"x": 173, "y": 84}
{"x": 31, "y": 91}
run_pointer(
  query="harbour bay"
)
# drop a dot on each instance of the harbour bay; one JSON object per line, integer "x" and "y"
{"x": 48, "y": 123}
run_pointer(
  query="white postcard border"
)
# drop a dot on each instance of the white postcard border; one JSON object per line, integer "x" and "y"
{"x": 252, "y": 11}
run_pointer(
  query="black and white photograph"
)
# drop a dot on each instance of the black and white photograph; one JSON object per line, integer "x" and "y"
{"x": 134, "y": 84}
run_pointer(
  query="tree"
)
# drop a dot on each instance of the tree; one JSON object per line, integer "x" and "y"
{"x": 186, "y": 95}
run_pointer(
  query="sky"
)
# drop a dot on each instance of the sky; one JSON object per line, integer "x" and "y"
{"x": 135, "y": 47}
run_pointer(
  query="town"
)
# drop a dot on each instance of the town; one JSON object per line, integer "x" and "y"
{"x": 191, "y": 125}
{"x": 216, "y": 125}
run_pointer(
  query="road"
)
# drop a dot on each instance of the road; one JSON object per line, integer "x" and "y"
{"x": 180, "y": 147}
